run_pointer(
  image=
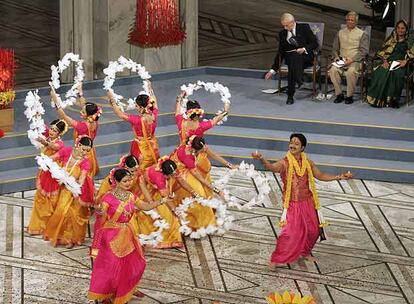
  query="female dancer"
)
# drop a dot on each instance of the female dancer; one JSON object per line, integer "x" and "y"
{"x": 160, "y": 179}
{"x": 190, "y": 124}
{"x": 138, "y": 186}
{"x": 47, "y": 188}
{"x": 119, "y": 262}
{"x": 386, "y": 85}
{"x": 67, "y": 225}
{"x": 145, "y": 145}
{"x": 90, "y": 114}
{"x": 300, "y": 202}
{"x": 130, "y": 163}
{"x": 186, "y": 157}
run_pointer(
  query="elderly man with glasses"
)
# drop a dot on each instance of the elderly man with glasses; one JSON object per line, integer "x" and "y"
{"x": 349, "y": 48}
{"x": 296, "y": 45}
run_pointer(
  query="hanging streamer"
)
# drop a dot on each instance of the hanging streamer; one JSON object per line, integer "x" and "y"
{"x": 157, "y": 24}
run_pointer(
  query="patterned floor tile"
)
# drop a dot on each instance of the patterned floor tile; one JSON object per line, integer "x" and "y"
{"x": 367, "y": 258}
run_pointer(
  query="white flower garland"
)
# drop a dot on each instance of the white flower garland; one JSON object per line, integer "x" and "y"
{"x": 63, "y": 64}
{"x": 155, "y": 237}
{"x": 223, "y": 220}
{"x": 118, "y": 66}
{"x": 62, "y": 176}
{"x": 248, "y": 170}
{"x": 34, "y": 111}
{"x": 209, "y": 87}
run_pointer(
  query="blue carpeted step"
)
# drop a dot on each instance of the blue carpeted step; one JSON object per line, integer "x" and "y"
{"x": 317, "y": 143}
{"x": 236, "y": 137}
{"x": 24, "y": 179}
{"x": 112, "y": 126}
{"x": 106, "y": 144}
{"x": 319, "y": 127}
{"x": 363, "y": 168}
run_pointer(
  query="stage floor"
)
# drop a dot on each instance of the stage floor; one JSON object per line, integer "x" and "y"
{"x": 368, "y": 257}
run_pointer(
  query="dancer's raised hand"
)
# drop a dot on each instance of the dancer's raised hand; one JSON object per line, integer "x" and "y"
{"x": 346, "y": 175}
{"x": 257, "y": 155}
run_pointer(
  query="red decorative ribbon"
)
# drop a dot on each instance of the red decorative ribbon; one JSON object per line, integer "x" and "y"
{"x": 7, "y": 70}
{"x": 157, "y": 24}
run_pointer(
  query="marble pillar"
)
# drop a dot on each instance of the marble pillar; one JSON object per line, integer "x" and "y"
{"x": 166, "y": 58}
{"x": 189, "y": 18}
{"x": 98, "y": 31}
{"x": 76, "y": 32}
{"x": 405, "y": 10}
{"x": 112, "y": 22}
{"x": 174, "y": 57}
{"x": 66, "y": 33}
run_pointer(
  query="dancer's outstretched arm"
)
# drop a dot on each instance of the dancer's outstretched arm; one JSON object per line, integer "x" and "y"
{"x": 178, "y": 102}
{"x": 51, "y": 145}
{"x": 144, "y": 189}
{"x": 61, "y": 113}
{"x": 143, "y": 205}
{"x": 81, "y": 99}
{"x": 82, "y": 177}
{"x": 328, "y": 177}
{"x": 115, "y": 107}
{"x": 152, "y": 94}
{"x": 219, "y": 159}
{"x": 274, "y": 167}
{"x": 221, "y": 116}
{"x": 200, "y": 178}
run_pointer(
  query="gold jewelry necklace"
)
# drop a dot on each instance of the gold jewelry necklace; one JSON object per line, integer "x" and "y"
{"x": 121, "y": 194}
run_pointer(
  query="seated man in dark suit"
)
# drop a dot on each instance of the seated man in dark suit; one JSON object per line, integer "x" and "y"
{"x": 296, "y": 45}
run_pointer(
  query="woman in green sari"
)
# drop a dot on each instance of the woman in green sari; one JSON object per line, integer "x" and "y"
{"x": 386, "y": 84}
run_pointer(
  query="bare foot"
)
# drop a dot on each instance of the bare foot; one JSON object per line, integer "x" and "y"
{"x": 69, "y": 245}
{"x": 310, "y": 258}
{"x": 138, "y": 294}
{"x": 272, "y": 266}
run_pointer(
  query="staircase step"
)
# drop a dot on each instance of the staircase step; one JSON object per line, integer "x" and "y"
{"x": 109, "y": 126}
{"x": 24, "y": 179}
{"x": 363, "y": 168}
{"x": 320, "y": 127}
{"x": 374, "y": 148}
{"x": 377, "y": 150}
{"x": 106, "y": 144}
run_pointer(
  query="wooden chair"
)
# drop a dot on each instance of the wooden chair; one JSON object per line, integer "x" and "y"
{"x": 388, "y": 31}
{"x": 314, "y": 70}
{"x": 362, "y": 77}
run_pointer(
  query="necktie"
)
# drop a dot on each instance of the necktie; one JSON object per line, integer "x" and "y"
{"x": 292, "y": 40}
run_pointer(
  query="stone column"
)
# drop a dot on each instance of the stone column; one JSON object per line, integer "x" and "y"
{"x": 405, "y": 10}
{"x": 66, "y": 34}
{"x": 98, "y": 31}
{"x": 76, "y": 34}
{"x": 189, "y": 18}
{"x": 174, "y": 57}
{"x": 112, "y": 22}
